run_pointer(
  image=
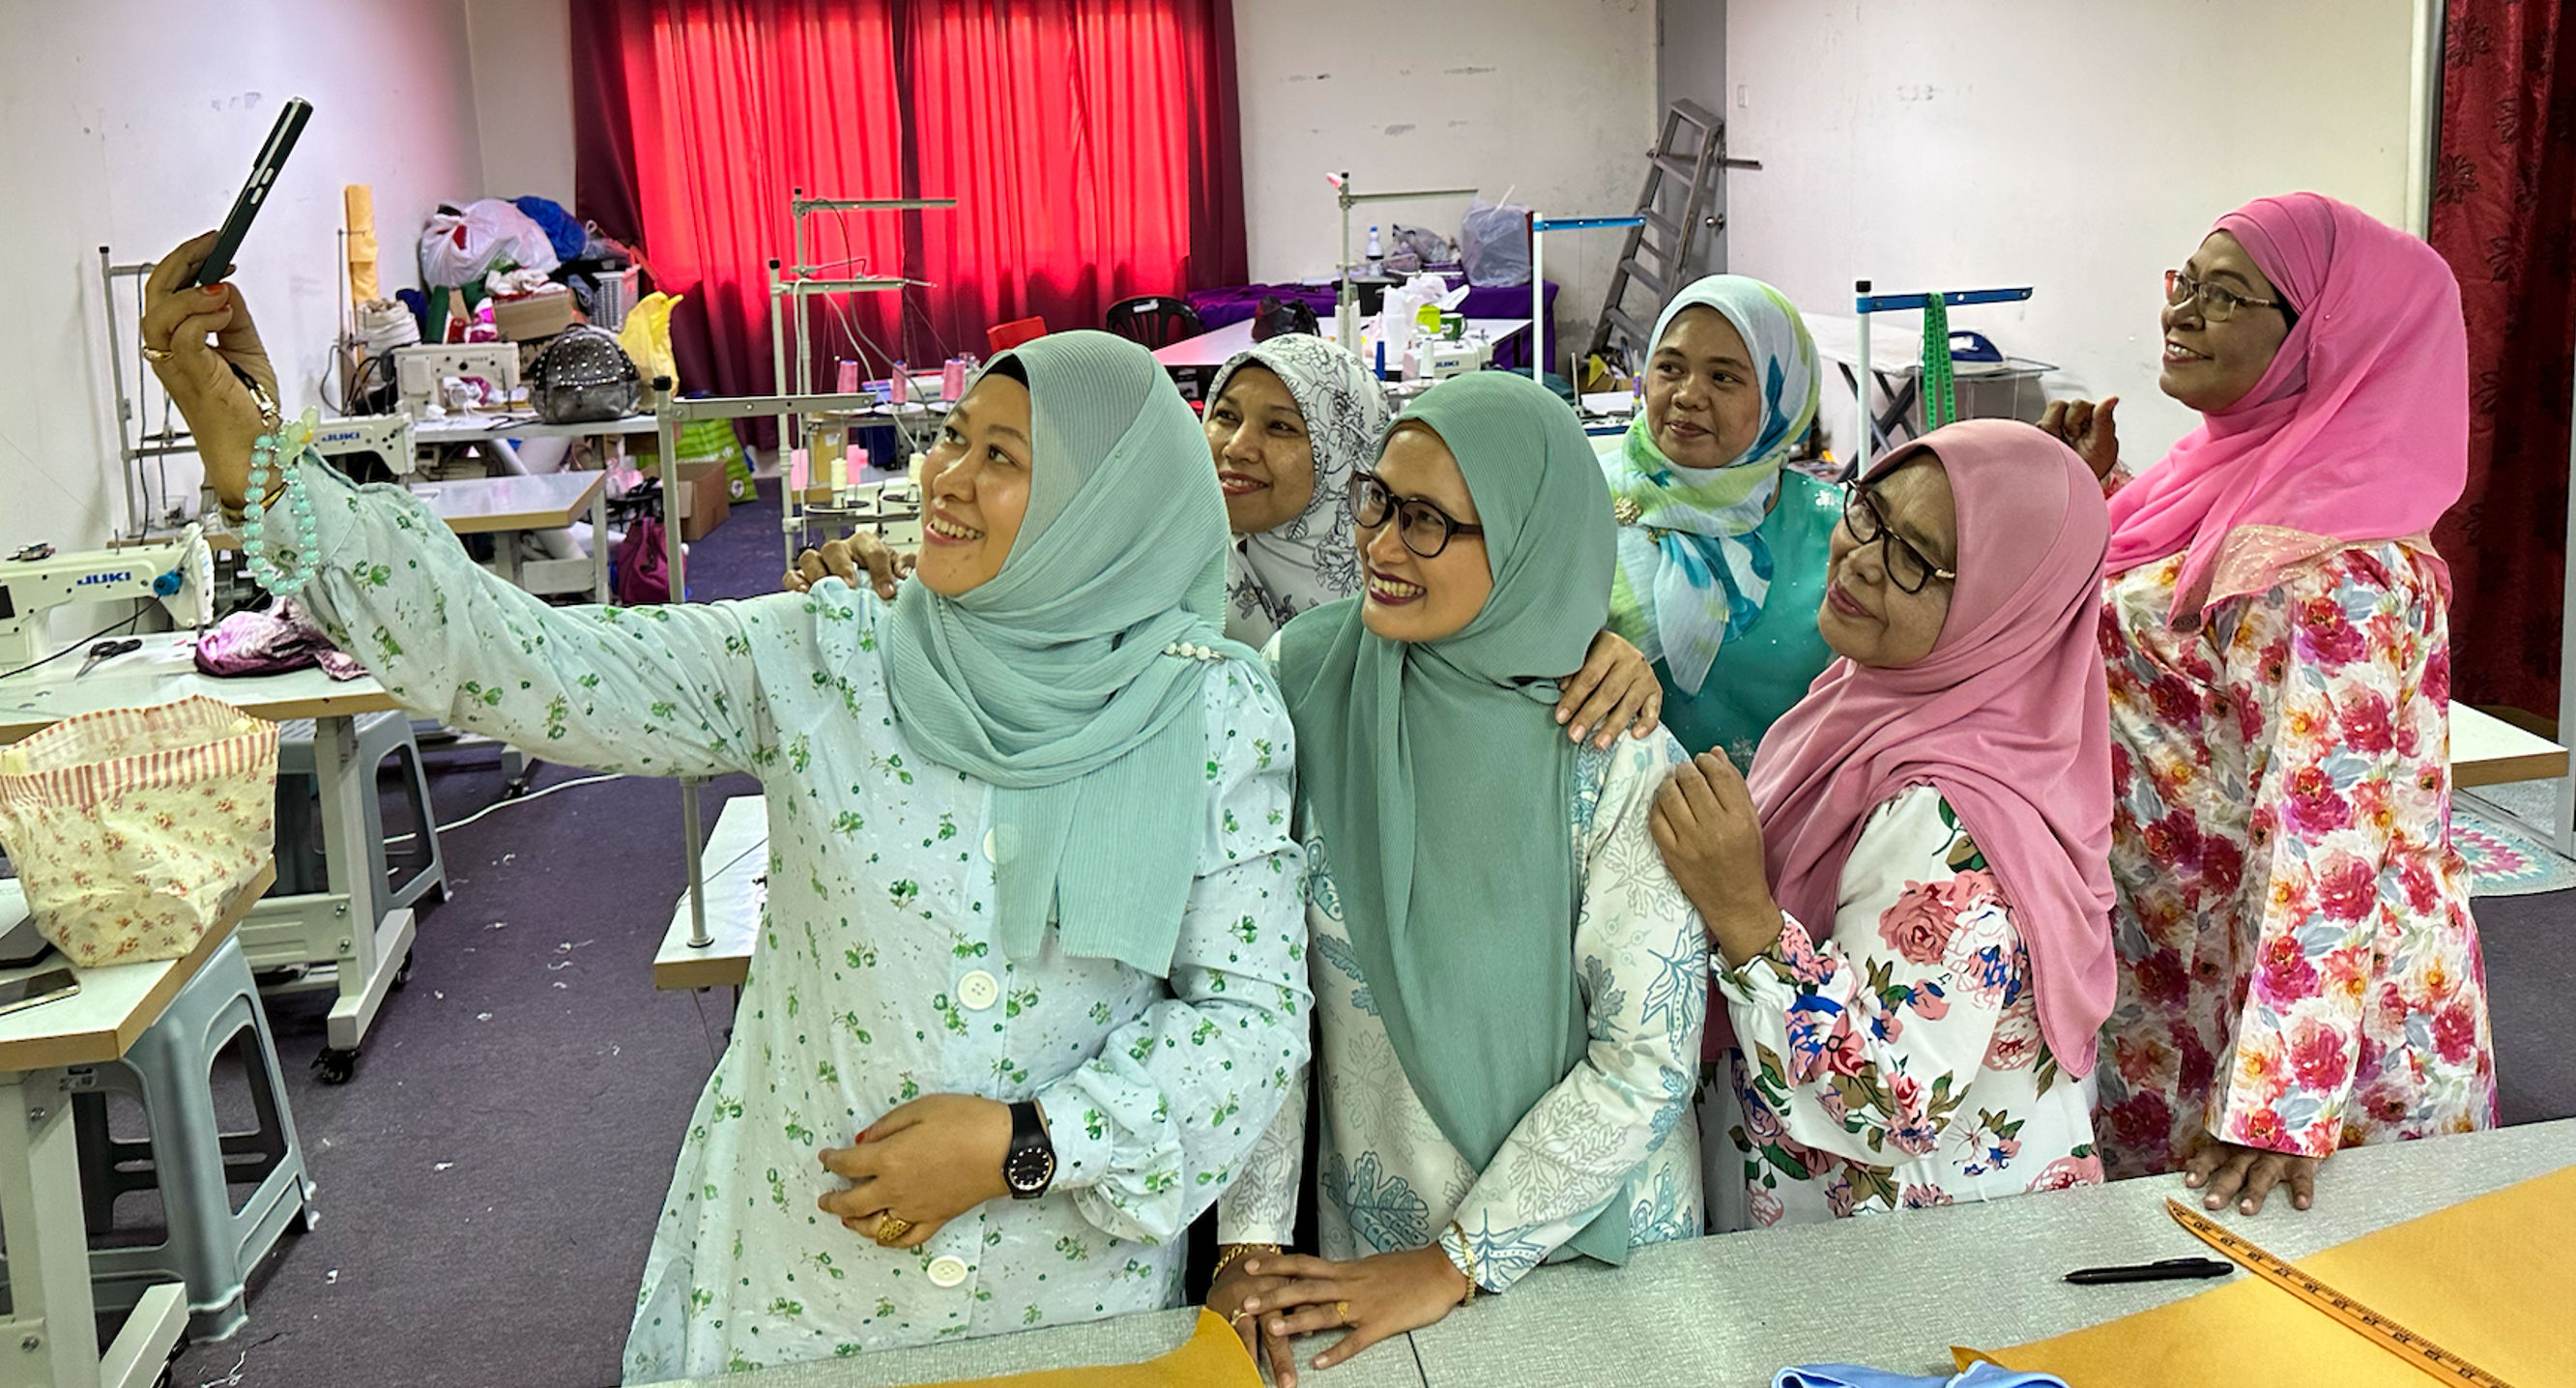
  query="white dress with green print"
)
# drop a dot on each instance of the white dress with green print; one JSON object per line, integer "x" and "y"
{"x": 1612, "y": 1129}
{"x": 878, "y": 976}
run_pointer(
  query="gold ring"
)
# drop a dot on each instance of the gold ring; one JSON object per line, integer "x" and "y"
{"x": 1343, "y": 1309}
{"x": 152, "y": 353}
{"x": 890, "y": 1228}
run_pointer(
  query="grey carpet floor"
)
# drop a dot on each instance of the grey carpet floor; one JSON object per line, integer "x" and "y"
{"x": 491, "y": 1177}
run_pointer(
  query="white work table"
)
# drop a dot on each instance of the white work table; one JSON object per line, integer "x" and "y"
{"x": 1889, "y": 1291}
{"x": 49, "y": 1339}
{"x": 313, "y": 930}
{"x": 1217, "y": 346}
{"x": 507, "y": 507}
{"x": 484, "y": 428}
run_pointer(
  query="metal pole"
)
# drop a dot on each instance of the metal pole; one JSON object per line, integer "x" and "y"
{"x": 1346, "y": 320}
{"x": 1538, "y": 303}
{"x": 789, "y": 500}
{"x": 667, "y": 431}
{"x": 697, "y": 855}
{"x": 1860, "y": 382}
{"x": 116, "y": 350}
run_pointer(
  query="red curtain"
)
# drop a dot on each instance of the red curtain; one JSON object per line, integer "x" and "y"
{"x": 1091, "y": 145}
{"x": 2504, "y": 207}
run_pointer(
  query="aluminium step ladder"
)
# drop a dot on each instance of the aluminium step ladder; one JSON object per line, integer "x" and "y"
{"x": 1665, "y": 251}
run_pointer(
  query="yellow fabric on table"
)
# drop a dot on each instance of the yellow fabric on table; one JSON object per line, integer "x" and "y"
{"x": 1212, "y": 1357}
{"x": 2488, "y": 1280}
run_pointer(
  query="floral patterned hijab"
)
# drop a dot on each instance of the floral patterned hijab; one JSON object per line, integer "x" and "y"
{"x": 1308, "y": 560}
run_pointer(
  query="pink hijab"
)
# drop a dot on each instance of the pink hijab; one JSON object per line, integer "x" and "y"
{"x": 2359, "y": 432}
{"x": 2008, "y": 718}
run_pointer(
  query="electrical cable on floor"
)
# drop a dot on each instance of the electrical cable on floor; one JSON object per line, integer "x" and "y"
{"x": 539, "y": 794}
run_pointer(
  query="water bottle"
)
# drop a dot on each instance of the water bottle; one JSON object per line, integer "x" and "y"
{"x": 1376, "y": 254}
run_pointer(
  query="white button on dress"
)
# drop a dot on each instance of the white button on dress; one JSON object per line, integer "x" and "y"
{"x": 979, "y": 990}
{"x": 947, "y": 1272}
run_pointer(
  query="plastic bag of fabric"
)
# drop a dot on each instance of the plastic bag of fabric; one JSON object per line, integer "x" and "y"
{"x": 1422, "y": 246}
{"x": 132, "y": 828}
{"x": 563, "y": 230}
{"x": 1494, "y": 242}
{"x": 646, "y": 336}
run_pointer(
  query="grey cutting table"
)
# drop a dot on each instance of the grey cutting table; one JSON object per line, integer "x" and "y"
{"x": 1894, "y": 1292}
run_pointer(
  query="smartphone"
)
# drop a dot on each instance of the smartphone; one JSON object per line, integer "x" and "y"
{"x": 272, "y": 157}
{"x": 35, "y": 988}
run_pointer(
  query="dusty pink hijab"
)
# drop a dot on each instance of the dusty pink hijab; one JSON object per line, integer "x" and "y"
{"x": 2359, "y": 432}
{"x": 2008, "y": 718}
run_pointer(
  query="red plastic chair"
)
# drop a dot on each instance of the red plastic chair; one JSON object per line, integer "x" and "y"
{"x": 1002, "y": 337}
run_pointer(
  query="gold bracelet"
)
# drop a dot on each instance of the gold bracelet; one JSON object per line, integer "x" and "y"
{"x": 1468, "y": 1252}
{"x": 1235, "y": 1252}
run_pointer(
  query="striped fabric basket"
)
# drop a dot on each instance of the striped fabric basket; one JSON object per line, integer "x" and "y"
{"x": 130, "y": 828}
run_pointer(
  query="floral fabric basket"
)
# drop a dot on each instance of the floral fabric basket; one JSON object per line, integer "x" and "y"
{"x": 131, "y": 828}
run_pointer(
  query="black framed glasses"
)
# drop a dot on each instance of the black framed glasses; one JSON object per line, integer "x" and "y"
{"x": 1424, "y": 527}
{"x": 2216, "y": 305}
{"x": 1906, "y": 567}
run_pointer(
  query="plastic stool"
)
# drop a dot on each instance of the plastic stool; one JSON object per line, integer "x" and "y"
{"x": 379, "y": 735}
{"x": 207, "y": 1244}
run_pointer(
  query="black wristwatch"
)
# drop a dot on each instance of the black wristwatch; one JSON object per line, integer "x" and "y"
{"x": 1028, "y": 1168}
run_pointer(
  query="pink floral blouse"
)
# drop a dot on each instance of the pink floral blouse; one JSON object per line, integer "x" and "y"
{"x": 2299, "y": 970}
{"x": 1898, "y": 1063}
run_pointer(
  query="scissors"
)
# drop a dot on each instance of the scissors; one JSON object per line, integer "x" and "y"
{"x": 108, "y": 650}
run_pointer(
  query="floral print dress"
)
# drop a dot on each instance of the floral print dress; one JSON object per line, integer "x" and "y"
{"x": 1612, "y": 1129}
{"x": 878, "y": 977}
{"x": 2299, "y": 969}
{"x": 1898, "y": 1063}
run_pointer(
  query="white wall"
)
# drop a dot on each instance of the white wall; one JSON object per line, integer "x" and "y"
{"x": 1690, "y": 65}
{"x": 523, "y": 95}
{"x": 2080, "y": 149}
{"x": 1555, "y": 96}
{"x": 130, "y": 124}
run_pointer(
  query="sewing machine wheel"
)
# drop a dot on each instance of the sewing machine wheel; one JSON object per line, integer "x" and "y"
{"x": 336, "y": 1065}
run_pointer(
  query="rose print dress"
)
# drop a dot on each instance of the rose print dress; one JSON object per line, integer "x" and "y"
{"x": 1898, "y": 1063}
{"x": 1613, "y": 1129}
{"x": 2299, "y": 969}
{"x": 878, "y": 977}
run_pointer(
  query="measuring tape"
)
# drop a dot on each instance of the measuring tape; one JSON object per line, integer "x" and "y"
{"x": 2388, "y": 1334}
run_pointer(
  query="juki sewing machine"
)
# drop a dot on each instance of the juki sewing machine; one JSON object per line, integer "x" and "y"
{"x": 387, "y": 438}
{"x": 179, "y": 573}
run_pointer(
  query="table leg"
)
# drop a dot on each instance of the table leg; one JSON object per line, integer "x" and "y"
{"x": 599, "y": 547}
{"x": 50, "y": 1338}
{"x": 505, "y": 554}
{"x": 370, "y": 946}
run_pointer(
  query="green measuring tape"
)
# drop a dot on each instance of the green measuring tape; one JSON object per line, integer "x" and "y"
{"x": 1940, "y": 393}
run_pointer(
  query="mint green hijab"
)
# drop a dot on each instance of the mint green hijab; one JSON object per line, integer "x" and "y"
{"x": 1050, "y": 682}
{"x": 1444, "y": 788}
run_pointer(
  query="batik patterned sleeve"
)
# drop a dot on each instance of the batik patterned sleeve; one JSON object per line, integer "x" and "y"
{"x": 1863, "y": 1045}
{"x": 1152, "y": 1132}
{"x": 657, "y": 691}
{"x": 2344, "y": 709}
{"x": 1642, "y": 957}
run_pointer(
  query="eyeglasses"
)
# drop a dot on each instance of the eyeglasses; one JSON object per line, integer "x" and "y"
{"x": 1424, "y": 527}
{"x": 2216, "y": 305}
{"x": 1906, "y": 566}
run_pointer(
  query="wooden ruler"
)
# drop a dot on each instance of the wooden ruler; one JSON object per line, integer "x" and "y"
{"x": 2386, "y": 1333}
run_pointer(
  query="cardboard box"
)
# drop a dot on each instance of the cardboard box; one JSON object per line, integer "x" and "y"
{"x": 701, "y": 505}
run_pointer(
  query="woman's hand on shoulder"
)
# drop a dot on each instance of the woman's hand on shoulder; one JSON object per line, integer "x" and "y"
{"x": 2088, "y": 429}
{"x": 847, "y": 559}
{"x": 1615, "y": 689}
{"x": 1710, "y": 835}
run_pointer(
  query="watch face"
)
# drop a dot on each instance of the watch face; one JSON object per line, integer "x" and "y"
{"x": 1030, "y": 1169}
